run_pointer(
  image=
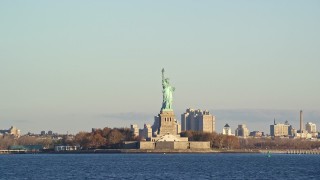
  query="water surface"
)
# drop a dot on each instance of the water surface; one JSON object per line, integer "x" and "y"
{"x": 159, "y": 166}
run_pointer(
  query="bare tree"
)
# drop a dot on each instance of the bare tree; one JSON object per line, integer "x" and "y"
{"x": 6, "y": 141}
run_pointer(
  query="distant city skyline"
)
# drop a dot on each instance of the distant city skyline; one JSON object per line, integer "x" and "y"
{"x": 72, "y": 66}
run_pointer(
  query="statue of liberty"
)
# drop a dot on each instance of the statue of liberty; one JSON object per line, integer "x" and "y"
{"x": 167, "y": 91}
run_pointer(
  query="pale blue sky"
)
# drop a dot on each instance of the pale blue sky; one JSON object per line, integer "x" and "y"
{"x": 71, "y": 66}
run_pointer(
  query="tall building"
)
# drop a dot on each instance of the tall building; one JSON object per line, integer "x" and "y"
{"x": 227, "y": 130}
{"x": 302, "y": 133}
{"x": 311, "y": 127}
{"x": 278, "y": 129}
{"x": 147, "y": 131}
{"x": 197, "y": 120}
{"x": 134, "y": 129}
{"x": 242, "y": 131}
{"x": 184, "y": 117}
{"x": 301, "y": 122}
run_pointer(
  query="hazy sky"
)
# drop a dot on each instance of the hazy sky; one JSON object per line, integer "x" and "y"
{"x": 74, "y": 65}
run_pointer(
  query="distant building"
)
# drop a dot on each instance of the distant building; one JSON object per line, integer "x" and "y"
{"x": 50, "y": 133}
{"x": 279, "y": 130}
{"x": 311, "y": 127}
{"x": 301, "y": 130}
{"x": 11, "y": 131}
{"x": 242, "y": 131}
{"x": 147, "y": 131}
{"x": 141, "y": 133}
{"x": 197, "y": 120}
{"x": 302, "y": 133}
{"x": 66, "y": 148}
{"x": 42, "y": 133}
{"x": 33, "y": 148}
{"x": 134, "y": 129}
{"x": 227, "y": 130}
{"x": 256, "y": 134}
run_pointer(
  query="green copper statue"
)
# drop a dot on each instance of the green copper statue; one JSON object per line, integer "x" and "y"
{"x": 167, "y": 91}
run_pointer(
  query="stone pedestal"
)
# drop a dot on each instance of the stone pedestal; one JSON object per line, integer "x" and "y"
{"x": 167, "y": 124}
{"x": 166, "y": 128}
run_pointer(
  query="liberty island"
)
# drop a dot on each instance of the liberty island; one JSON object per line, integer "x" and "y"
{"x": 165, "y": 131}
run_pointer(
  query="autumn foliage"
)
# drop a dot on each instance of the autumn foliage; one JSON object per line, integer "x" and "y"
{"x": 220, "y": 141}
{"x": 103, "y": 138}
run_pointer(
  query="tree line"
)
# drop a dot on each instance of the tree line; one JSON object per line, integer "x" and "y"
{"x": 7, "y": 140}
{"x": 220, "y": 141}
{"x": 98, "y": 138}
{"x": 113, "y": 138}
{"x": 104, "y": 138}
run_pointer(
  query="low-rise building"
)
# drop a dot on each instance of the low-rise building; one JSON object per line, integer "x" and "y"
{"x": 304, "y": 135}
{"x": 30, "y": 148}
{"x": 66, "y": 148}
{"x": 311, "y": 128}
{"x": 256, "y": 134}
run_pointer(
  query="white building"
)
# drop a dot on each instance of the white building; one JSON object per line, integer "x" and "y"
{"x": 227, "y": 130}
{"x": 66, "y": 148}
{"x": 198, "y": 120}
{"x": 134, "y": 129}
{"x": 282, "y": 130}
{"x": 311, "y": 127}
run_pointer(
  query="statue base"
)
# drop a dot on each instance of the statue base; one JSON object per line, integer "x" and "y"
{"x": 167, "y": 122}
{"x": 166, "y": 128}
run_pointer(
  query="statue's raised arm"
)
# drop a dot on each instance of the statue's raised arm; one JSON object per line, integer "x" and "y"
{"x": 162, "y": 74}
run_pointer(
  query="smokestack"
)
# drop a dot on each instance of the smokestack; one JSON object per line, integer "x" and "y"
{"x": 301, "y": 121}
